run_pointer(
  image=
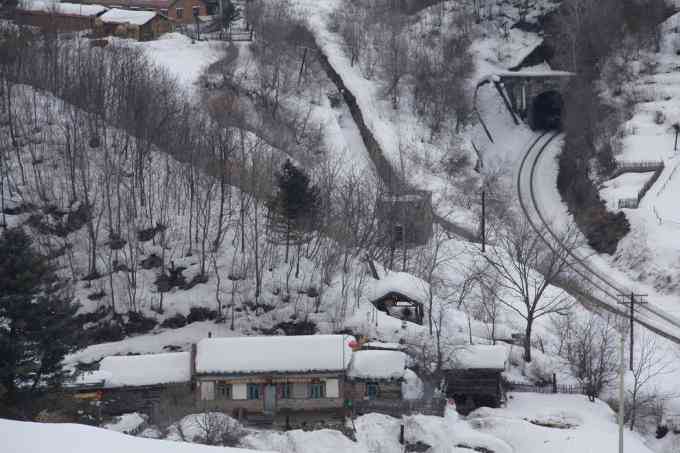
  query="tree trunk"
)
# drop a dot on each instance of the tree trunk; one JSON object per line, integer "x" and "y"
{"x": 527, "y": 340}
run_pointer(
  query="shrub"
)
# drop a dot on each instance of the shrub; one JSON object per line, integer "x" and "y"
{"x": 175, "y": 322}
{"x": 138, "y": 323}
{"x": 197, "y": 314}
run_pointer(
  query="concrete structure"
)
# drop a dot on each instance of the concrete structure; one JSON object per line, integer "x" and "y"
{"x": 406, "y": 219}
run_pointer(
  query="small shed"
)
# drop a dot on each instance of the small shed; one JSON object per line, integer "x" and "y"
{"x": 64, "y": 17}
{"x": 139, "y": 25}
{"x": 376, "y": 374}
{"x": 400, "y": 295}
{"x": 474, "y": 376}
{"x": 406, "y": 218}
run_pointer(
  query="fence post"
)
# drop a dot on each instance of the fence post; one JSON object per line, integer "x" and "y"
{"x": 554, "y": 383}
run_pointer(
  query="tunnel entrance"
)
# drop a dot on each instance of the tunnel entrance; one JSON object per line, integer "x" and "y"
{"x": 546, "y": 111}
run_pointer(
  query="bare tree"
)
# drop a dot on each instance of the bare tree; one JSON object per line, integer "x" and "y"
{"x": 642, "y": 395}
{"x": 524, "y": 270}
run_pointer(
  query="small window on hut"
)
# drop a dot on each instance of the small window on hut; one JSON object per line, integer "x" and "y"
{"x": 285, "y": 391}
{"x": 253, "y": 391}
{"x": 196, "y": 10}
{"x": 398, "y": 233}
{"x": 224, "y": 390}
{"x": 164, "y": 12}
{"x": 317, "y": 390}
{"x": 371, "y": 390}
{"x": 179, "y": 12}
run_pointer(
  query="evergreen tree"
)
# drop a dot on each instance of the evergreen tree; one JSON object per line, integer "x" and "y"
{"x": 37, "y": 324}
{"x": 294, "y": 210}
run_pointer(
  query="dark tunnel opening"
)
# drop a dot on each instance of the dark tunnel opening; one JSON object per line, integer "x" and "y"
{"x": 546, "y": 111}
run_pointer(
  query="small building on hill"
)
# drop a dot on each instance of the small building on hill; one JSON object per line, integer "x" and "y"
{"x": 286, "y": 380}
{"x": 61, "y": 17}
{"x": 138, "y": 25}
{"x": 400, "y": 295}
{"x": 474, "y": 376}
{"x": 406, "y": 218}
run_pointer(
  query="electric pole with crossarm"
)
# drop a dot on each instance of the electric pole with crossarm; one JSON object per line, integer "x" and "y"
{"x": 631, "y": 300}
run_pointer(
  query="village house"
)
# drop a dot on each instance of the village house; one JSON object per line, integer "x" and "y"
{"x": 178, "y": 11}
{"x": 62, "y": 17}
{"x": 400, "y": 295}
{"x": 474, "y": 376}
{"x": 285, "y": 380}
{"x": 151, "y": 383}
{"x": 138, "y": 25}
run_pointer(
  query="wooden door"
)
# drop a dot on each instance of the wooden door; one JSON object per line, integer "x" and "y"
{"x": 269, "y": 399}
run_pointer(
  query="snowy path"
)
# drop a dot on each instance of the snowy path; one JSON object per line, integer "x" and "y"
{"x": 545, "y": 210}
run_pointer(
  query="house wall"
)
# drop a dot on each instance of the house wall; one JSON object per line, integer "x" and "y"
{"x": 54, "y": 22}
{"x": 387, "y": 390}
{"x": 299, "y": 400}
{"x": 474, "y": 388}
{"x": 159, "y": 401}
{"x": 186, "y": 7}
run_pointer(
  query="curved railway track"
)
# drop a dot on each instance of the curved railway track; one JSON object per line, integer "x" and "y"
{"x": 599, "y": 291}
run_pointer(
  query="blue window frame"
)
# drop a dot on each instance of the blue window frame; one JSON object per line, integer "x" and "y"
{"x": 253, "y": 391}
{"x": 371, "y": 390}
{"x": 317, "y": 390}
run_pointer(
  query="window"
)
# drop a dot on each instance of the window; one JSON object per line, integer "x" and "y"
{"x": 253, "y": 391}
{"x": 285, "y": 391}
{"x": 371, "y": 390}
{"x": 164, "y": 12}
{"x": 179, "y": 12}
{"x": 317, "y": 390}
{"x": 224, "y": 390}
{"x": 196, "y": 10}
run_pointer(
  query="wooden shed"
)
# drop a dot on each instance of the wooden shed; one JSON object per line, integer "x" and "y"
{"x": 138, "y": 25}
{"x": 400, "y": 295}
{"x": 474, "y": 376}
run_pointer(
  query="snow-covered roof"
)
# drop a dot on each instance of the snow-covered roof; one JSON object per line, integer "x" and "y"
{"x": 72, "y": 9}
{"x": 376, "y": 364}
{"x": 148, "y": 369}
{"x": 124, "y": 16}
{"x": 480, "y": 357}
{"x": 399, "y": 282}
{"x": 286, "y": 354}
{"x": 96, "y": 377}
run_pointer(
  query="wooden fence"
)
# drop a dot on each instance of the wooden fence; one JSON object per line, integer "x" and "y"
{"x": 550, "y": 388}
{"x": 397, "y": 408}
{"x": 638, "y": 167}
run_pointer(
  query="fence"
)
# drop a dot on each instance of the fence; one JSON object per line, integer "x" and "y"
{"x": 638, "y": 167}
{"x": 550, "y": 388}
{"x": 397, "y": 408}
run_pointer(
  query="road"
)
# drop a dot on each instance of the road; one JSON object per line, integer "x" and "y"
{"x": 588, "y": 284}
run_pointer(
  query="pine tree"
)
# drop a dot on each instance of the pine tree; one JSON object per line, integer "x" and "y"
{"x": 294, "y": 210}
{"x": 230, "y": 13}
{"x": 37, "y": 324}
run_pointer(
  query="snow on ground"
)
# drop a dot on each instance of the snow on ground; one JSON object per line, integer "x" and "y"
{"x": 593, "y": 425}
{"x": 28, "y": 437}
{"x": 625, "y": 186}
{"x": 127, "y": 423}
{"x": 181, "y": 57}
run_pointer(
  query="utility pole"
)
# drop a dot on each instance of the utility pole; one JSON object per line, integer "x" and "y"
{"x": 632, "y": 299}
{"x": 622, "y": 372}
{"x": 483, "y": 220}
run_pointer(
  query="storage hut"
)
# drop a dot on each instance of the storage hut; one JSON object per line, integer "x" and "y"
{"x": 139, "y": 25}
{"x": 474, "y": 376}
{"x": 375, "y": 375}
{"x": 400, "y": 295}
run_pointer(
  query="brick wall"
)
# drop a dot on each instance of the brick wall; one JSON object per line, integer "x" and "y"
{"x": 182, "y": 11}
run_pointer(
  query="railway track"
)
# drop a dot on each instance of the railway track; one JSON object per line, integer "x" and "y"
{"x": 594, "y": 288}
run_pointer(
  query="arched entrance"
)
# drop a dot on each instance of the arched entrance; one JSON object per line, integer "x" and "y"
{"x": 546, "y": 111}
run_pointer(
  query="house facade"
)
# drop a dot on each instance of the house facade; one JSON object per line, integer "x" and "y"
{"x": 282, "y": 379}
